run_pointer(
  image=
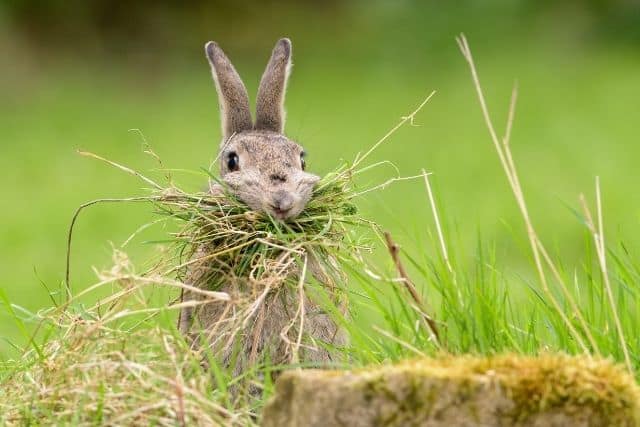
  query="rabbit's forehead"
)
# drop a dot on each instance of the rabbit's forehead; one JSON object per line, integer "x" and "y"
{"x": 266, "y": 147}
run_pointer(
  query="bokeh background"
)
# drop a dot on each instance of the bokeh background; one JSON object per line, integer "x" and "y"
{"x": 82, "y": 74}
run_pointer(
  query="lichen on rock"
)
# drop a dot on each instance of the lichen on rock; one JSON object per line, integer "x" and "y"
{"x": 549, "y": 390}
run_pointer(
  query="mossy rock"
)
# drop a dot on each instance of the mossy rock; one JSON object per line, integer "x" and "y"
{"x": 550, "y": 390}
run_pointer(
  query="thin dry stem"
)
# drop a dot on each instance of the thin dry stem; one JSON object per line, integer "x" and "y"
{"x": 436, "y": 218}
{"x": 385, "y": 184}
{"x": 504, "y": 154}
{"x": 399, "y": 341}
{"x": 73, "y": 223}
{"x": 300, "y": 313}
{"x": 598, "y": 239}
{"x": 410, "y": 118}
{"x": 394, "y": 251}
{"x": 123, "y": 168}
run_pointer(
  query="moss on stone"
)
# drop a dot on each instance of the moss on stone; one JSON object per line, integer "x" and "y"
{"x": 461, "y": 391}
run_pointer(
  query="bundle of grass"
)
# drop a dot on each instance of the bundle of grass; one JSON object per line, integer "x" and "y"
{"x": 273, "y": 311}
{"x": 245, "y": 243}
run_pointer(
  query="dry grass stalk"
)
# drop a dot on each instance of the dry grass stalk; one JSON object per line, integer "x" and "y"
{"x": 436, "y": 218}
{"x": 601, "y": 251}
{"x": 540, "y": 254}
{"x": 394, "y": 251}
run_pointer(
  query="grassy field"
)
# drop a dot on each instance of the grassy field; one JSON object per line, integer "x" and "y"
{"x": 576, "y": 119}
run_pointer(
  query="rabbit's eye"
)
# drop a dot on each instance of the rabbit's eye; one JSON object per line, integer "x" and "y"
{"x": 233, "y": 162}
{"x": 303, "y": 162}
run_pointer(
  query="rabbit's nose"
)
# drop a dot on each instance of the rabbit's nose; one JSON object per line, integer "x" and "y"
{"x": 278, "y": 178}
{"x": 283, "y": 201}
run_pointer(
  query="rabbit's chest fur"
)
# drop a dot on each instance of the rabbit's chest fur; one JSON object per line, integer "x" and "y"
{"x": 270, "y": 333}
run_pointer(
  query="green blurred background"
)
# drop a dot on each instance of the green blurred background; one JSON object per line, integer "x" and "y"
{"x": 81, "y": 74}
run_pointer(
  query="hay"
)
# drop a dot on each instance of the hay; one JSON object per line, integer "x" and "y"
{"x": 114, "y": 363}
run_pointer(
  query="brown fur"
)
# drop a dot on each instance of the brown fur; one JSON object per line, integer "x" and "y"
{"x": 232, "y": 95}
{"x": 270, "y": 113}
{"x": 270, "y": 173}
{"x": 269, "y": 178}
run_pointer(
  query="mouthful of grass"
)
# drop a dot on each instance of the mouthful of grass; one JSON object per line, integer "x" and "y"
{"x": 239, "y": 242}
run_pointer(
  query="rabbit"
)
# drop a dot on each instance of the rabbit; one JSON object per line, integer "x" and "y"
{"x": 265, "y": 170}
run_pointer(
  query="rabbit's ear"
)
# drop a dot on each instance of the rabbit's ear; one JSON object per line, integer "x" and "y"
{"x": 270, "y": 101}
{"x": 232, "y": 95}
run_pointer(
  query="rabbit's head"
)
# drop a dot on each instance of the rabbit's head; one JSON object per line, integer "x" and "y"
{"x": 264, "y": 168}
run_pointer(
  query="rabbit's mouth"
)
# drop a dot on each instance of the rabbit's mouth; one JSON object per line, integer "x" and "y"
{"x": 281, "y": 214}
{"x": 283, "y": 204}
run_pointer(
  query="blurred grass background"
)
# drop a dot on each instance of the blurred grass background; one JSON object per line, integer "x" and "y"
{"x": 80, "y": 74}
